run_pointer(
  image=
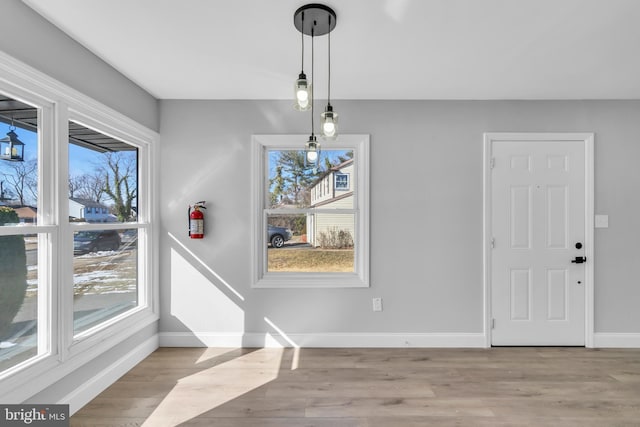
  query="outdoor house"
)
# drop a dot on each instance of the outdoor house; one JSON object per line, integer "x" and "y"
{"x": 27, "y": 214}
{"x": 332, "y": 190}
{"x": 483, "y": 175}
{"x": 88, "y": 210}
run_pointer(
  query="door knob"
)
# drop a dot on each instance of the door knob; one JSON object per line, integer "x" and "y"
{"x": 579, "y": 259}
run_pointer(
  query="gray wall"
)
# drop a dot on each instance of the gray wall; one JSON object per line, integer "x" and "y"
{"x": 27, "y": 36}
{"x": 426, "y": 214}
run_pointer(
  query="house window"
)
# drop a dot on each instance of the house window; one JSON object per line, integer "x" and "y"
{"x": 105, "y": 270}
{"x": 341, "y": 181}
{"x": 24, "y": 280}
{"x": 58, "y": 306}
{"x": 305, "y": 233}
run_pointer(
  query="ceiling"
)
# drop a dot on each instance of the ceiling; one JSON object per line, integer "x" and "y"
{"x": 381, "y": 49}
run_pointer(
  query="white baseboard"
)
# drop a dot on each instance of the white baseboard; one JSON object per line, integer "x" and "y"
{"x": 616, "y": 340}
{"x": 392, "y": 340}
{"x": 103, "y": 379}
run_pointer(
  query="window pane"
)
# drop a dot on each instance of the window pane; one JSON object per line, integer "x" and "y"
{"x": 317, "y": 242}
{"x": 18, "y": 300}
{"x": 105, "y": 275}
{"x": 18, "y": 160}
{"x": 103, "y": 177}
{"x": 296, "y": 183}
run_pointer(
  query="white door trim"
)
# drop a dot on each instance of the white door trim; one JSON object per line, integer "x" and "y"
{"x": 588, "y": 141}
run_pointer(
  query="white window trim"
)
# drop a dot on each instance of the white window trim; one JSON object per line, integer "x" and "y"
{"x": 262, "y": 279}
{"x": 66, "y": 353}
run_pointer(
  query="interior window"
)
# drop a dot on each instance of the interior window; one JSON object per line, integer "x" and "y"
{"x": 312, "y": 216}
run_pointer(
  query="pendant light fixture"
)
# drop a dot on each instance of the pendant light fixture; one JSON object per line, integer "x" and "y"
{"x": 314, "y": 20}
{"x": 329, "y": 117}
{"x": 313, "y": 147}
{"x": 302, "y": 87}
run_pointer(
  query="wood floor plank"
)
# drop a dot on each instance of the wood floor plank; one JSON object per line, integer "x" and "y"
{"x": 396, "y": 407}
{"x": 343, "y": 387}
{"x": 371, "y": 389}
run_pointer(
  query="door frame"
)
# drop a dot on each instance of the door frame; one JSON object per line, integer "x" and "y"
{"x": 588, "y": 143}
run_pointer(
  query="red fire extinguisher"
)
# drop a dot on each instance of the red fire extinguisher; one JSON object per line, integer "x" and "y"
{"x": 196, "y": 220}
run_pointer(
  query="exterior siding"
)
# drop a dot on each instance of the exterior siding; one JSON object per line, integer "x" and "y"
{"x": 325, "y": 195}
{"x": 324, "y": 190}
{"x": 325, "y": 223}
{"x": 81, "y": 211}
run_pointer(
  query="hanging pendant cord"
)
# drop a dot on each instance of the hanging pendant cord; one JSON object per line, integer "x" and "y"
{"x": 313, "y": 99}
{"x": 329, "y": 62}
{"x": 302, "y": 44}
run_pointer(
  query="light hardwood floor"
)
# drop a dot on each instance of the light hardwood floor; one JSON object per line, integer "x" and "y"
{"x": 374, "y": 388}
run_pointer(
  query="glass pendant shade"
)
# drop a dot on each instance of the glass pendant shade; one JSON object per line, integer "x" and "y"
{"x": 302, "y": 93}
{"x": 312, "y": 156}
{"x": 312, "y": 150}
{"x": 329, "y": 123}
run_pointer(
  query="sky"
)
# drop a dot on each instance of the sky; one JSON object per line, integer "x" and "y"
{"x": 332, "y": 154}
{"x": 81, "y": 160}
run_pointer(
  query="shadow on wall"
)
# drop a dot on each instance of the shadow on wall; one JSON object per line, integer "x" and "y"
{"x": 196, "y": 288}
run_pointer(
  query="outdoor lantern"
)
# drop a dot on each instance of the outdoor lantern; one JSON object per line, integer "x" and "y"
{"x": 11, "y": 148}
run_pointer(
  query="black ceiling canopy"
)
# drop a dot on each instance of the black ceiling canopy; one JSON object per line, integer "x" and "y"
{"x": 317, "y": 16}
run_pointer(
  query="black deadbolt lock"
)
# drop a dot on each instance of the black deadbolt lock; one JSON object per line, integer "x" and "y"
{"x": 578, "y": 245}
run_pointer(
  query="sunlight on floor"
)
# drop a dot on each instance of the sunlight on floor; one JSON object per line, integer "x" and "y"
{"x": 204, "y": 391}
{"x": 296, "y": 353}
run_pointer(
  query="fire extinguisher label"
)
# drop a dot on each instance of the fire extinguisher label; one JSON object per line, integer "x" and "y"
{"x": 196, "y": 226}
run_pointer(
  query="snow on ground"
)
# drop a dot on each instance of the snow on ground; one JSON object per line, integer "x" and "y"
{"x": 98, "y": 254}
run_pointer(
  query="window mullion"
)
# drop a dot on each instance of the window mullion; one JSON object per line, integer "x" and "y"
{"x": 47, "y": 218}
{"x": 65, "y": 241}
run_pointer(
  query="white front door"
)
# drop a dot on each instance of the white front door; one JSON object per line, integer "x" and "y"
{"x": 537, "y": 224}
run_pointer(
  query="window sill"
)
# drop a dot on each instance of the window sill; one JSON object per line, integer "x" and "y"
{"x": 307, "y": 280}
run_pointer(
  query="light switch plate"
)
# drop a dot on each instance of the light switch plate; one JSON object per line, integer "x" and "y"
{"x": 602, "y": 221}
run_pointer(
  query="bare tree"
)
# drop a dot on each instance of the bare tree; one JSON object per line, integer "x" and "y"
{"x": 5, "y": 193}
{"x": 120, "y": 183}
{"x": 74, "y": 185}
{"x": 88, "y": 186}
{"x": 22, "y": 180}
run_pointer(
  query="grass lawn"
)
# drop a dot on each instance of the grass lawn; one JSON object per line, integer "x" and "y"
{"x": 311, "y": 260}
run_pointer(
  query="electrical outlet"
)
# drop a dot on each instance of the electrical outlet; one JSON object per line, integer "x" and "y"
{"x": 377, "y": 304}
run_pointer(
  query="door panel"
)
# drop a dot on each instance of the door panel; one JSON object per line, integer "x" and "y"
{"x": 520, "y": 294}
{"x": 557, "y": 294}
{"x": 537, "y": 216}
{"x": 520, "y": 217}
